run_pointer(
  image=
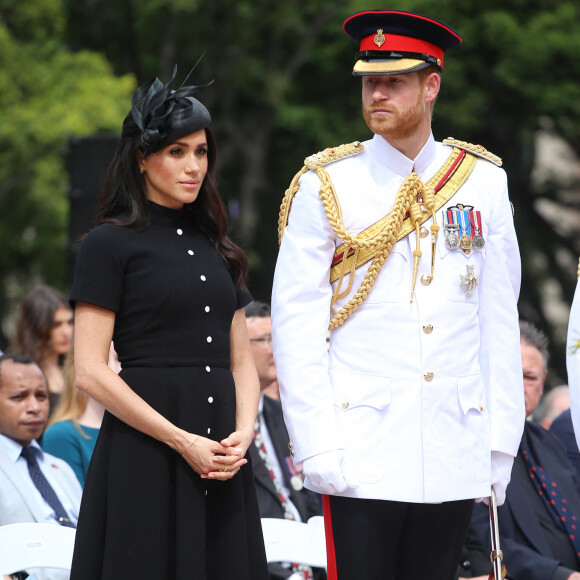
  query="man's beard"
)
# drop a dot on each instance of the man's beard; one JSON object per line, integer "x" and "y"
{"x": 397, "y": 124}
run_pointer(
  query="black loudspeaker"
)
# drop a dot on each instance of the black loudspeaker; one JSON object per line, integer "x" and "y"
{"x": 87, "y": 161}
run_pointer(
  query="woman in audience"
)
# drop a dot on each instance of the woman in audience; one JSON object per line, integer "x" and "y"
{"x": 43, "y": 331}
{"x": 75, "y": 422}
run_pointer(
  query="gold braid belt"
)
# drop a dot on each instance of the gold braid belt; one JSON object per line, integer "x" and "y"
{"x": 377, "y": 241}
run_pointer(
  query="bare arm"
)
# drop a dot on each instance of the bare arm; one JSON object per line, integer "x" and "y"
{"x": 92, "y": 339}
{"x": 247, "y": 385}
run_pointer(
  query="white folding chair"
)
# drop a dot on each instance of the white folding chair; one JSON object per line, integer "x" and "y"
{"x": 35, "y": 545}
{"x": 291, "y": 541}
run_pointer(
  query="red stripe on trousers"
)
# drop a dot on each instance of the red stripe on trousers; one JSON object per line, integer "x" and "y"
{"x": 330, "y": 554}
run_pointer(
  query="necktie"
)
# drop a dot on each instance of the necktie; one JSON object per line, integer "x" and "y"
{"x": 44, "y": 487}
{"x": 548, "y": 490}
{"x": 306, "y": 571}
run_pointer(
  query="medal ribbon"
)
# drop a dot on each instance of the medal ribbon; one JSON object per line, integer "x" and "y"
{"x": 475, "y": 220}
{"x": 464, "y": 224}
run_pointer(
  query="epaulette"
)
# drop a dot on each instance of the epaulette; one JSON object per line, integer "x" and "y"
{"x": 578, "y": 272}
{"x": 478, "y": 150}
{"x": 331, "y": 154}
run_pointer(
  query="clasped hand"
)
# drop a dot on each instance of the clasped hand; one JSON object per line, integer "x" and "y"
{"x": 218, "y": 460}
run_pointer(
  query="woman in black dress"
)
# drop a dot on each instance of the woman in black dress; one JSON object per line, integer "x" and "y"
{"x": 169, "y": 493}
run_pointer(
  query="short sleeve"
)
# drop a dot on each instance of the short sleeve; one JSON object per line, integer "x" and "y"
{"x": 99, "y": 269}
{"x": 243, "y": 298}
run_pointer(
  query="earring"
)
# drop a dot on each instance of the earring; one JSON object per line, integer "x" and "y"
{"x": 140, "y": 170}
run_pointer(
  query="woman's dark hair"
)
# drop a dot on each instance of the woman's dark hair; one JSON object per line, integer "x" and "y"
{"x": 123, "y": 200}
{"x": 34, "y": 322}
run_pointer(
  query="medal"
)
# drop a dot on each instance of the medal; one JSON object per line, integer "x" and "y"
{"x": 469, "y": 281}
{"x": 475, "y": 219}
{"x": 451, "y": 238}
{"x": 296, "y": 482}
{"x": 465, "y": 241}
{"x": 451, "y": 229}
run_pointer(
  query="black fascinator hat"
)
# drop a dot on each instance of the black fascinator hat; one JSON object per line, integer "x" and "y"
{"x": 165, "y": 115}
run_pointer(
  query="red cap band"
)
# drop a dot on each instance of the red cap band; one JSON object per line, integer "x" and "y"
{"x": 402, "y": 43}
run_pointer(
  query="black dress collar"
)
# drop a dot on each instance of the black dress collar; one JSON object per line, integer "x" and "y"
{"x": 165, "y": 216}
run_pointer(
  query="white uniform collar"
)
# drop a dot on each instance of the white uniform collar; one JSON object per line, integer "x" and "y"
{"x": 14, "y": 449}
{"x": 394, "y": 160}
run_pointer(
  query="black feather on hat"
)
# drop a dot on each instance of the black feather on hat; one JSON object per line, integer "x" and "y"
{"x": 165, "y": 115}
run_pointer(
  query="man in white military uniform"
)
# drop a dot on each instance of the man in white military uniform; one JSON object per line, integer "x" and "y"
{"x": 405, "y": 248}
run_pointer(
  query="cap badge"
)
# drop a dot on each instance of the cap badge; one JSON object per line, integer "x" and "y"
{"x": 379, "y": 38}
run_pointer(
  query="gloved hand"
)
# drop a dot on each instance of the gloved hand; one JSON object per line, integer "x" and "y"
{"x": 501, "y": 472}
{"x": 325, "y": 472}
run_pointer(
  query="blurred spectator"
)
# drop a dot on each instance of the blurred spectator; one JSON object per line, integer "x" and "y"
{"x": 552, "y": 404}
{"x": 75, "y": 422}
{"x": 537, "y": 522}
{"x": 258, "y": 318}
{"x": 43, "y": 331}
{"x": 535, "y": 358}
{"x": 562, "y": 427}
{"x": 279, "y": 484}
{"x": 34, "y": 486}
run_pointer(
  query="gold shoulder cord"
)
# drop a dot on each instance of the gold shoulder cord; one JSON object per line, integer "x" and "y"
{"x": 478, "y": 150}
{"x": 386, "y": 238}
{"x": 381, "y": 241}
{"x": 578, "y": 272}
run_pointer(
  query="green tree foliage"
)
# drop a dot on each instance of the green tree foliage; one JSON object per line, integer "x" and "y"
{"x": 283, "y": 90}
{"x": 47, "y": 94}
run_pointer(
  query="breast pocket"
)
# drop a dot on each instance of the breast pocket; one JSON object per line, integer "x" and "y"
{"x": 393, "y": 284}
{"x": 361, "y": 403}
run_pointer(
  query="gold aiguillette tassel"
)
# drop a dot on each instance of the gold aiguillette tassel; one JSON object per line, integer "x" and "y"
{"x": 416, "y": 213}
{"x": 429, "y": 203}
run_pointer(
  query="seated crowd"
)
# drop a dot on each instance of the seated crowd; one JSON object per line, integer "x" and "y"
{"x": 42, "y": 470}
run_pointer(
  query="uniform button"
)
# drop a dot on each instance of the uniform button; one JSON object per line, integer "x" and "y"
{"x": 179, "y": 232}
{"x": 207, "y": 369}
{"x": 428, "y": 376}
{"x": 209, "y": 338}
{"x": 210, "y": 399}
{"x": 190, "y": 252}
{"x": 481, "y": 408}
{"x": 207, "y": 308}
{"x": 202, "y": 278}
{"x": 345, "y": 405}
{"x": 428, "y": 328}
{"x": 423, "y": 232}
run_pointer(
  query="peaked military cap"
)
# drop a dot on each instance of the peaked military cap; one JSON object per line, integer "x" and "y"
{"x": 395, "y": 42}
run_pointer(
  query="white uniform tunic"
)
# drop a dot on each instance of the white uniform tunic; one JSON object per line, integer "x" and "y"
{"x": 405, "y": 437}
{"x": 573, "y": 361}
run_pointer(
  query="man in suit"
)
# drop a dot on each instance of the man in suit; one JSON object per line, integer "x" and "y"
{"x": 24, "y": 408}
{"x": 279, "y": 485}
{"x": 537, "y": 523}
{"x": 562, "y": 427}
{"x": 405, "y": 248}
